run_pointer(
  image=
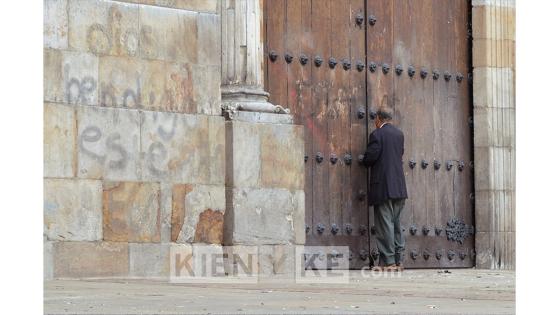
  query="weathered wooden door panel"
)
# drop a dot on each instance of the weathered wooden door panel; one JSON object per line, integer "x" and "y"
{"x": 325, "y": 95}
{"x": 433, "y": 113}
{"x": 332, "y": 62}
{"x": 357, "y": 188}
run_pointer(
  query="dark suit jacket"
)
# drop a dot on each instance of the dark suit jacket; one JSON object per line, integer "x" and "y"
{"x": 384, "y": 155}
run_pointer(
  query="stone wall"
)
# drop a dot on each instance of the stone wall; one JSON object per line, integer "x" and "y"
{"x": 494, "y": 132}
{"x": 139, "y": 162}
{"x": 134, "y": 140}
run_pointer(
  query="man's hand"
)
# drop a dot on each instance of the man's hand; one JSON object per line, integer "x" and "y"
{"x": 373, "y": 150}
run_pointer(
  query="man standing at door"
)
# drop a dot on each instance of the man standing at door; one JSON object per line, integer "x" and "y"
{"x": 387, "y": 190}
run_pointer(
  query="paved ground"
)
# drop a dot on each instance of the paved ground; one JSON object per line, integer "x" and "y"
{"x": 465, "y": 291}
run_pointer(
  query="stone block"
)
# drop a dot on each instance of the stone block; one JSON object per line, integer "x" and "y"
{"x": 482, "y": 126}
{"x": 259, "y": 151}
{"x": 181, "y": 262}
{"x": 70, "y": 77}
{"x": 508, "y": 167}
{"x": 175, "y": 147}
{"x": 266, "y": 260}
{"x": 494, "y": 168}
{"x": 209, "y": 39}
{"x": 53, "y": 81}
{"x": 72, "y": 209}
{"x": 495, "y": 250}
{"x": 55, "y": 24}
{"x": 245, "y": 154}
{"x": 277, "y": 260}
{"x": 166, "y": 206}
{"x": 282, "y": 148}
{"x": 493, "y": 87}
{"x": 103, "y": 27}
{"x": 502, "y": 167}
{"x": 192, "y": 5}
{"x": 484, "y": 248}
{"x": 241, "y": 261}
{"x": 168, "y": 34}
{"x": 208, "y": 260}
{"x": 181, "y": 148}
{"x": 299, "y": 217}
{"x": 217, "y": 150}
{"x": 493, "y": 53}
{"x": 47, "y": 260}
{"x": 198, "y": 214}
{"x": 108, "y": 143}
{"x": 484, "y": 169}
{"x": 146, "y": 84}
{"x": 509, "y": 211}
{"x": 494, "y": 126}
{"x": 59, "y": 140}
{"x": 494, "y": 211}
{"x": 285, "y": 259}
{"x": 149, "y": 260}
{"x": 90, "y": 259}
{"x": 206, "y": 89}
{"x": 179, "y": 193}
{"x": 254, "y": 211}
{"x": 493, "y": 22}
{"x": 484, "y": 211}
{"x": 131, "y": 212}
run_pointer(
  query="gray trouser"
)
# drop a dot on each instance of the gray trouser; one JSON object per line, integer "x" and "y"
{"x": 390, "y": 239}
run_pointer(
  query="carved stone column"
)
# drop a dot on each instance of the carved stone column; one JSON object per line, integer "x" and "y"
{"x": 242, "y": 59}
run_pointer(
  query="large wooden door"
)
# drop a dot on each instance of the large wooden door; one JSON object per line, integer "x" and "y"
{"x": 333, "y": 63}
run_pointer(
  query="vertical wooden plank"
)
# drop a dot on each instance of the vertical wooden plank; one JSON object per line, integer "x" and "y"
{"x": 275, "y": 32}
{"x": 341, "y": 51}
{"x": 379, "y": 41}
{"x": 358, "y": 127}
{"x": 430, "y": 85}
{"x": 337, "y": 112}
{"x": 443, "y": 177}
{"x": 305, "y": 102}
{"x": 379, "y": 51}
{"x": 428, "y": 111}
{"x": 293, "y": 35}
{"x": 454, "y": 106}
{"x": 405, "y": 118}
{"x": 320, "y": 26}
{"x": 463, "y": 179}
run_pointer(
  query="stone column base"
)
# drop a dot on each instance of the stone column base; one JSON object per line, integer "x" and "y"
{"x": 265, "y": 201}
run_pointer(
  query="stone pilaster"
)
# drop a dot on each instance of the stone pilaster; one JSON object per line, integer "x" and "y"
{"x": 265, "y": 201}
{"x": 494, "y": 132}
{"x": 242, "y": 58}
